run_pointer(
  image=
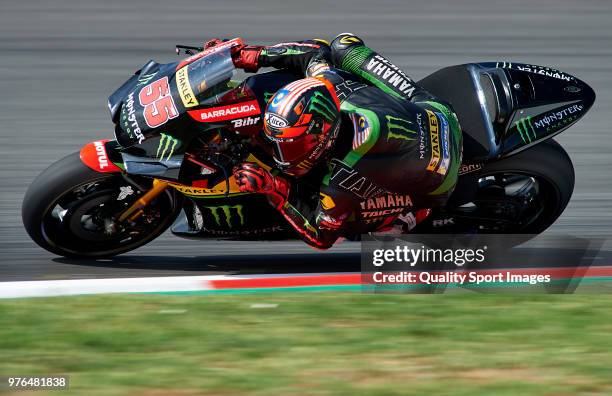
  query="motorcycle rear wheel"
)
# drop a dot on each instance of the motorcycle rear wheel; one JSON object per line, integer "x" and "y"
{"x": 522, "y": 194}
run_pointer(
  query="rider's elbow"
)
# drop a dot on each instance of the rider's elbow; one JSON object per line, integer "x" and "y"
{"x": 342, "y": 45}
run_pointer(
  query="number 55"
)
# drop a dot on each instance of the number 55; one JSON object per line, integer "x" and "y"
{"x": 158, "y": 104}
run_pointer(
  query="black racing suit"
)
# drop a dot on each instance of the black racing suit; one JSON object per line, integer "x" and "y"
{"x": 398, "y": 150}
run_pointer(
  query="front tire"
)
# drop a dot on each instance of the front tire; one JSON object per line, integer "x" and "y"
{"x": 71, "y": 210}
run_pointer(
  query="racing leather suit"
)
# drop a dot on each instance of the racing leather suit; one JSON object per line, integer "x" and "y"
{"x": 398, "y": 149}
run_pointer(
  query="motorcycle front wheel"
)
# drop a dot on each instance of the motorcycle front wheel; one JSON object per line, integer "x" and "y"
{"x": 72, "y": 211}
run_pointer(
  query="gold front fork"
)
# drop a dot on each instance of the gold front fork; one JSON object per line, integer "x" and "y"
{"x": 135, "y": 210}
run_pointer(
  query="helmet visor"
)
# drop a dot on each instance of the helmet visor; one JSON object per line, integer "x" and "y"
{"x": 289, "y": 152}
{"x": 298, "y": 155}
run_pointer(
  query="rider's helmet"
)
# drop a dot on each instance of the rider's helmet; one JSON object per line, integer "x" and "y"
{"x": 302, "y": 121}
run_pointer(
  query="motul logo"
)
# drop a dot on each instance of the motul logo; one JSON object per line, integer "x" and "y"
{"x": 95, "y": 156}
{"x": 101, "y": 152}
{"x": 223, "y": 113}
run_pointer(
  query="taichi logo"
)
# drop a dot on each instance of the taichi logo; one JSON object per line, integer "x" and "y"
{"x": 385, "y": 205}
{"x": 347, "y": 178}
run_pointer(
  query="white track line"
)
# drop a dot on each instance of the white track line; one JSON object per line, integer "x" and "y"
{"x": 51, "y": 288}
{"x": 97, "y": 286}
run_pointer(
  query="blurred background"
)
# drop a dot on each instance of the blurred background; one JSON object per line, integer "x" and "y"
{"x": 59, "y": 61}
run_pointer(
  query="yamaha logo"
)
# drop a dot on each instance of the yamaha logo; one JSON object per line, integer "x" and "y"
{"x": 276, "y": 121}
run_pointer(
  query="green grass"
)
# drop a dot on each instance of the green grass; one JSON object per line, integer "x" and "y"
{"x": 313, "y": 344}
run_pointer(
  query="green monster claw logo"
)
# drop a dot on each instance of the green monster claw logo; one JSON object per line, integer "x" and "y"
{"x": 524, "y": 126}
{"x": 400, "y": 127}
{"x": 280, "y": 51}
{"x": 267, "y": 96}
{"x": 216, "y": 212}
{"x": 145, "y": 78}
{"x": 168, "y": 143}
{"x": 323, "y": 106}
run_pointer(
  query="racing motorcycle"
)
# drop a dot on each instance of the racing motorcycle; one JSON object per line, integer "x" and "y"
{"x": 181, "y": 127}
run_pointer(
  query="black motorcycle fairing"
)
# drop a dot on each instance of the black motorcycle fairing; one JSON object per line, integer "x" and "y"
{"x": 162, "y": 98}
{"x": 238, "y": 217}
{"x": 128, "y": 113}
{"x": 546, "y": 102}
{"x": 458, "y": 86}
{"x": 161, "y": 154}
{"x": 115, "y": 100}
{"x": 504, "y": 108}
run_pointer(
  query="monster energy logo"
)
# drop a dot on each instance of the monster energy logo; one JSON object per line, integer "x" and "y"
{"x": 225, "y": 210}
{"x": 322, "y": 105}
{"x": 145, "y": 78}
{"x": 288, "y": 51}
{"x": 167, "y": 144}
{"x": 400, "y": 126}
{"x": 524, "y": 127}
{"x": 267, "y": 96}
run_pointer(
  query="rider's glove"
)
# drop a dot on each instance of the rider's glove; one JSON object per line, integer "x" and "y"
{"x": 244, "y": 56}
{"x": 247, "y": 57}
{"x": 255, "y": 179}
{"x": 212, "y": 43}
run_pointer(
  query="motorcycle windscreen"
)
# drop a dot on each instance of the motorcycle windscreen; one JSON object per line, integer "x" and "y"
{"x": 200, "y": 82}
{"x": 158, "y": 101}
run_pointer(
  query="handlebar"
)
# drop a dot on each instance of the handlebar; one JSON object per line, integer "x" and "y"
{"x": 187, "y": 49}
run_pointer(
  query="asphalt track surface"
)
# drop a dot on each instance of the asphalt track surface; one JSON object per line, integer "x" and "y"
{"x": 59, "y": 61}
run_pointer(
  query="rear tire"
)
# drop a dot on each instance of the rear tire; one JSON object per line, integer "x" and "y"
{"x": 550, "y": 164}
{"x": 521, "y": 194}
{"x": 63, "y": 231}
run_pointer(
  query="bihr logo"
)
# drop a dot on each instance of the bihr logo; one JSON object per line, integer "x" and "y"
{"x": 244, "y": 122}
